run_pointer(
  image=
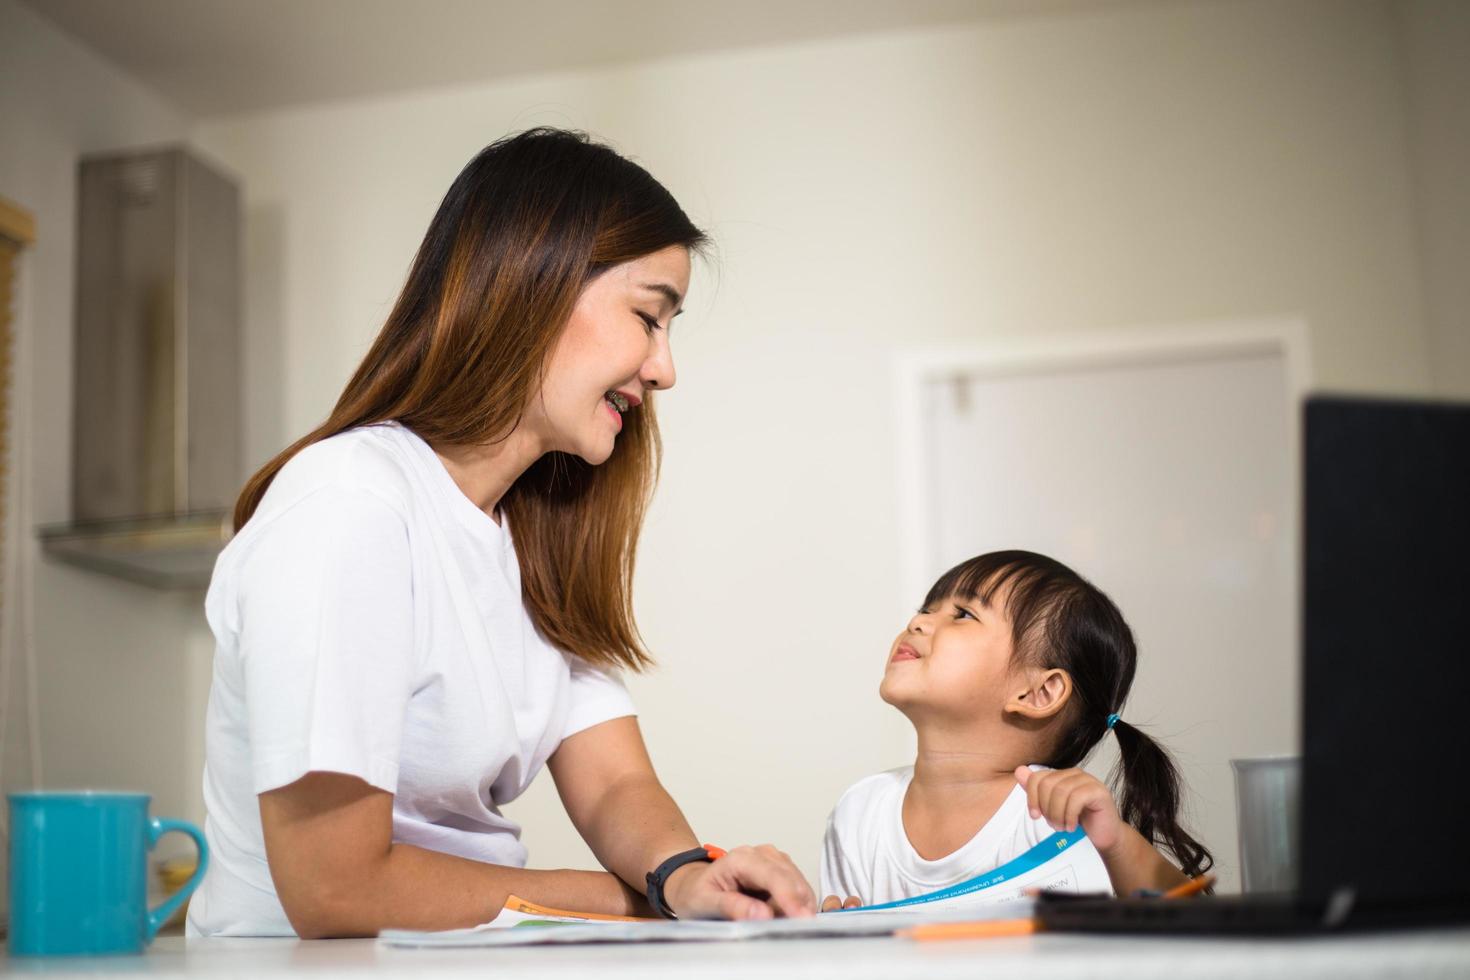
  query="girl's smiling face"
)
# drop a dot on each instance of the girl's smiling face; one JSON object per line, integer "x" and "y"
{"x": 954, "y": 658}
{"x": 615, "y": 347}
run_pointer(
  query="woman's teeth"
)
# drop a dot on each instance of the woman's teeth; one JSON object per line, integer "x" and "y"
{"x": 618, "y": 401}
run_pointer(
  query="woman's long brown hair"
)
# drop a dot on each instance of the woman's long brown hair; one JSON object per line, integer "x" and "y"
{"x": 525, "y": 226}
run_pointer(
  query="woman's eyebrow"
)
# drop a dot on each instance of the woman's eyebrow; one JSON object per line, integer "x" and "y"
{"x": 667, "y": 292}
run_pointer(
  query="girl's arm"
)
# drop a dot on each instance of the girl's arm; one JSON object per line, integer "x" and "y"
{"x": 1069, "y": 797}
{"x": 338, "y": 873}
{"x": 1134, "y": 864}
{"x": 622, "y": 811}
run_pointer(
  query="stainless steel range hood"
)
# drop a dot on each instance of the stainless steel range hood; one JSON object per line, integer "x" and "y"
{"x": 156, "y": 451}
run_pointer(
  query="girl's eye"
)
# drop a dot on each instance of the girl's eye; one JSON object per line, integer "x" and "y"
{"x": 961, "y": 612}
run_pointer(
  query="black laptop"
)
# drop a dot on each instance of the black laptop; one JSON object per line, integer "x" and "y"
{"x": 1385, "y": 687}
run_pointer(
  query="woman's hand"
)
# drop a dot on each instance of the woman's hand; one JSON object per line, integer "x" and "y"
{"x": 1069, "y": 798}
{"x": 603, "y": 774}
{"x": 747, "y": 883}
{"x": 832, "y": 903}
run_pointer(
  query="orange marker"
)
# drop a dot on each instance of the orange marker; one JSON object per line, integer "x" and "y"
{"x": 1191, "y": 887}
{"x": 973, "y": 930}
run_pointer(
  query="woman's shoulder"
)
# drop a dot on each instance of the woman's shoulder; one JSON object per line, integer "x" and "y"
{"x": 350, "y": 491}
{"x": 357, "y": 477}
{"x": 370, "y": 459}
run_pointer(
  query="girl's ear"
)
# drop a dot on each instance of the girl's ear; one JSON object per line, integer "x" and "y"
{"x": 1045, "y": 694}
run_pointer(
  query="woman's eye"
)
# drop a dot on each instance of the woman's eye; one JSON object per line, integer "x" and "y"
{"x": 650, "y": 322}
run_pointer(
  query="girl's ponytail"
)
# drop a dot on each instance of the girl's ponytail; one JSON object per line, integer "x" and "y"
{"x": 1149, "y": 800}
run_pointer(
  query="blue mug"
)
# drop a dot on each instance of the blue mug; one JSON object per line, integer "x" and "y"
{"x": 79, "y": 873}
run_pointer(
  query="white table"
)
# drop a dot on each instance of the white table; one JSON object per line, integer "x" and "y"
{"x": 1417, "y": 955}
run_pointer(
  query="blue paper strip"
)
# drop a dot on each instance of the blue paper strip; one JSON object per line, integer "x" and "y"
{"x": 1034, "y": 858}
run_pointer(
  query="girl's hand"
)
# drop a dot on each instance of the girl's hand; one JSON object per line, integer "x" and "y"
{"x": 832, "y": 903}
{"x": 1068, "y": 798}
{"x": 747, "y": 883}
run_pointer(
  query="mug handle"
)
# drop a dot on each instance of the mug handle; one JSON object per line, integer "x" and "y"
{"x": 157, "y": 827}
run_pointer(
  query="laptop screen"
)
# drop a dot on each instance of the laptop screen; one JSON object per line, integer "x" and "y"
{"x": 1386, "y": 667}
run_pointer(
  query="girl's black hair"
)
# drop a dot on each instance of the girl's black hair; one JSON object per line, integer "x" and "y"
{"x": 1059, "y": 619}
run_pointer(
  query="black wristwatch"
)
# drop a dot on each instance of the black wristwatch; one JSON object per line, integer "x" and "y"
{"x": 660, "y": 874}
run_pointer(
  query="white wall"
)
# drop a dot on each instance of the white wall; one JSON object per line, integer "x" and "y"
{"x": 1143, "y": 165}
{"x": 1436, "y": 52}
{"x": 114, "y": 669}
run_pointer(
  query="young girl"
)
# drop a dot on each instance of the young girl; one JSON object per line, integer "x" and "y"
{"x": 1013, "y": 669}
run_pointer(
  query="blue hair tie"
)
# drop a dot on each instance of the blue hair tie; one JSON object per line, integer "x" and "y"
{"x": 1112, "y": 720}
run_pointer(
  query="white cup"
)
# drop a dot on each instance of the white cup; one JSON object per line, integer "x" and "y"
{"x": 1267, "y": 804}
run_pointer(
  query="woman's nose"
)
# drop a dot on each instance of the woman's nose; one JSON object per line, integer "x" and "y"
{"x": 658, "y": 369}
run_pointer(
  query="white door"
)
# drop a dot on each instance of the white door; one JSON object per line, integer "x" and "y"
{"x": 1167, "y": 476}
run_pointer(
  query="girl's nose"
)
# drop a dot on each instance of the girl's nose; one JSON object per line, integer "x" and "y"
{"x": 919, "y": 623}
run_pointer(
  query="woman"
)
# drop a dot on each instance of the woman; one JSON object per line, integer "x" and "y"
{"x": 428, "y": 595}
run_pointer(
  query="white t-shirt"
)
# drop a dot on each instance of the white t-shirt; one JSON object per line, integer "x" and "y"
{"x": 368, "y": 620}
{"x": 867, "y": 852}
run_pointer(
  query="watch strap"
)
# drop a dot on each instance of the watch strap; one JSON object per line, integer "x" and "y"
{"x": 658, "y": 876}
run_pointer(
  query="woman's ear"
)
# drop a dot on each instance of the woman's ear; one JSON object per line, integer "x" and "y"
{"x": 1045, "y": 693}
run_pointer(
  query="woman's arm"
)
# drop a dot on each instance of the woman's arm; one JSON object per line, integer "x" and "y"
{"x": 328, "y": 839}
{"x": 607, "y": 783}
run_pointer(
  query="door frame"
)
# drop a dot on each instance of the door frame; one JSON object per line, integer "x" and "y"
{"x": 1012, "y": 356}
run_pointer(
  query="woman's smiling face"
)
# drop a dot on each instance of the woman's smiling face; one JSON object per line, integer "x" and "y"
{"x": 614, "y": 349}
